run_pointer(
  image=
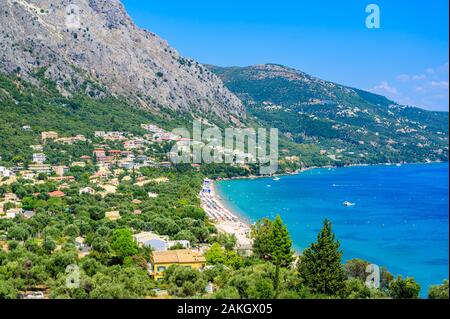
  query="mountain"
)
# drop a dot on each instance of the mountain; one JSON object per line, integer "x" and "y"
{"x": 83, "y": 65}
{"x": 349, "y": 126}
{"x": 94, "y": 46}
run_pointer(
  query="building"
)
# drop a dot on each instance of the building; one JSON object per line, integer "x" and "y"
{"x": 83, "y": 248}
{"x": 98, "y": 153}
{"x": 57, "y": 194}
{"x": 116, "y": 154}
{"x": 10, "y": 198}
{"x": 13, "y": 212}
{"x": 87, "y": 190}
{"x": 39, "y": 158}
{"x": 4, "y": 172}
{"x": 49, "y": 136}
{"x": 114, "y": 215}
{"x": 27, "y": 174}
{"x": 79, "y": 164}
{"x": 62, "y": 178}
{"x": 28, "y": 214}
{"x": 40, "y": 168}
{"x": 60, "y": 170}
{"x": 152, "y": 128}
{"x": 133, "y": 144}
{"x": 72, "y": 140}
{"x": 161, "y": 260}
{"x": 159, "y": 243}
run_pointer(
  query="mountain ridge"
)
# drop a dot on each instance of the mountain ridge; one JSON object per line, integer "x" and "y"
{"x": 350, "y": 125}
{"x": 107, "y": 48}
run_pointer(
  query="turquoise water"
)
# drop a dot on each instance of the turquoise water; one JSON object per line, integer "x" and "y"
{"x": 400, "y": 219}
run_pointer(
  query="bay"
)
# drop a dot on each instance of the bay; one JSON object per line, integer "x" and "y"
{"x": 399, "y": 220}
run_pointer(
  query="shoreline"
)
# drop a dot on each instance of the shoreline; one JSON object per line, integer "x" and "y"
{"x": 228, "y": 221}
{"x": 305, "y": 169}
{"x": 223, "y": 218}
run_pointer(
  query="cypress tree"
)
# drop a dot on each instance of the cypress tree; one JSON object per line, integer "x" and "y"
{"x": 282, "y": 253}
{"x": 272, "y": 243}
{"x": 320, "y": 265}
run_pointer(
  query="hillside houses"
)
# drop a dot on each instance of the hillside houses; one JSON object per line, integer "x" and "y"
{"x": 71, "y": 140}
{"x": 39, "y": 158}
{"x": 40, "y": 168}
{"x": 48, "y": 136}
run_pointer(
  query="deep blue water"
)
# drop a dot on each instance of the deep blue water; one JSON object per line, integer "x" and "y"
{"x": 400, "y": 219}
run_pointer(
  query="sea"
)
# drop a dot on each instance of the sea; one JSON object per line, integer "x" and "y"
{"x": 397, "y": 216}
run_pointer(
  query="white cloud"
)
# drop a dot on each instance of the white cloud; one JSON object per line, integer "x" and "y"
{"x": 403, "y": 77}
{"x": 443, "y": 68}
{"x": 427, "y": 89}
{"x": 419, "y": 89}
{"x": 384, "y": 88}
{"x": 419, "y": 77}
{"x": 440, "y": 84}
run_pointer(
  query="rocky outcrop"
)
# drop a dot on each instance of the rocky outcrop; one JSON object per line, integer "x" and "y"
{"x": 93, "y": 45}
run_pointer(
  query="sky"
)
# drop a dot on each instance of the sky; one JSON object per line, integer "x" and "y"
{"x": 405, "y": 59}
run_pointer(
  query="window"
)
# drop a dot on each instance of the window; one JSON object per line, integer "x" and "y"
{"x": 161, "y": 268}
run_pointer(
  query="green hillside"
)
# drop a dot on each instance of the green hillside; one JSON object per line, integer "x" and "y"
{"x": 349, "y": 126}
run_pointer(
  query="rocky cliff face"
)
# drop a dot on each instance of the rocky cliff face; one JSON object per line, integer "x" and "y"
{"x": 93, "y": 45}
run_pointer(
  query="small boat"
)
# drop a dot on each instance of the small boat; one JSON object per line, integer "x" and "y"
{"x": 349, "y": 204}
{"x": 276, "y": 179}
{"x": 399, "y": 165}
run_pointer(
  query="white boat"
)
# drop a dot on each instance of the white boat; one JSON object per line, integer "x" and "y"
{"x": 276, "y": 179}
{"x": 349, "y": 204}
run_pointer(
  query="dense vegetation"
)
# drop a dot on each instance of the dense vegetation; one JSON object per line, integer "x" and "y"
{"x": 39, "y": 249}
{"x": 352, "y": 126}
{"x": 43, "y": 108}
{"x": 40, "y": 253}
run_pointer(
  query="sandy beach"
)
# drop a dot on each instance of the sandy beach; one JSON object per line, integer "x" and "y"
{"x": 224, "y": 220}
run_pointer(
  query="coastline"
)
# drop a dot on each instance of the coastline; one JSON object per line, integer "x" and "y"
{"x": 232, "y": 223}
{"x": 223, "y": 218}
{"x": 309, "y": 168}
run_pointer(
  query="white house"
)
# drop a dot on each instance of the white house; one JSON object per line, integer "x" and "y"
{"x": 39, "y": 158}
{"x": 87, "y": 190}
{"x": 159, "y": 243}
{"x": 4, "y": 172}
{"x": 13, "y": 212}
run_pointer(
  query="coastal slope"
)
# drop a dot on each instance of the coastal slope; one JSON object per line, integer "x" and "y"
{"x": 349, "y": 125}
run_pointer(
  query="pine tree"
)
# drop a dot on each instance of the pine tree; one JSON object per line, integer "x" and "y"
{"x": 272, "y": 243}
{"x": 320, "y": 265}
{"x": 282, "y": 253}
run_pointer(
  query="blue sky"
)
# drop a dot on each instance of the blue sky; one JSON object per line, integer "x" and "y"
{"x": 405, "y": 59}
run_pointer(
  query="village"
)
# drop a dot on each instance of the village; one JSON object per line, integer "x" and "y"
{"x": 116, "y": 157}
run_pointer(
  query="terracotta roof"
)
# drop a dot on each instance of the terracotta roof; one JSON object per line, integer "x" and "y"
{"x": 177, "y": 256}
{"x": 56, "y": 194}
